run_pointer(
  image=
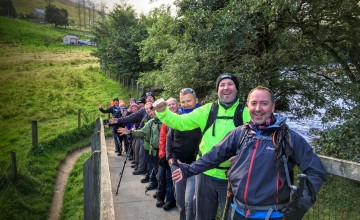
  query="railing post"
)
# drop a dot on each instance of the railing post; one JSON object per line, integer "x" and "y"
{"x": 108, "y": 105}
{"x": 34, "y": 133}
{"x": 137, "y": 88}
{"x": 79, "y": 118}
{"x": 14, "y": 167}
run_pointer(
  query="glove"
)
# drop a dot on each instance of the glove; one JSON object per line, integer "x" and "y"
{"x": 293, "y": 212}
{"x": 297, "y": 209}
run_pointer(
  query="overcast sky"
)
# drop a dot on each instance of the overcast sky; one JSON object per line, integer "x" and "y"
{"x": 141, "y": 6}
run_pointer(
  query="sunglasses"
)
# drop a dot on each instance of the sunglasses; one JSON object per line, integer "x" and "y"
{"x": 149, "y": 94}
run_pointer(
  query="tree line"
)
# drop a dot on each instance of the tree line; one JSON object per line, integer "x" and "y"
{"x": 306, "y": 51}
{"x": 88, "y": 13}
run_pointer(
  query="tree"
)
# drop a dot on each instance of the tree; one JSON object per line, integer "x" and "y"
{"x": 48, "y": 2}
{"x": 7, "y": 9}
{"x": 56, "y": 16}
{"x": 117, "y": 43}
{"x": 91, "y": 13}
{"x": 102, "y": 11}
{"x": 78, "y": 7}
{"x": 83, "y": 5}
{"x": 306, "y": 51}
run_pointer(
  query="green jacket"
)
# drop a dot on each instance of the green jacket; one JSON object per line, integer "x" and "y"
{"x": 198, "y": 119}
{"x": 150, "y": 132}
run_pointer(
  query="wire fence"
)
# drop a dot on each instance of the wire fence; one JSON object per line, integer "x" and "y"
{"x": 22, "y": 148}
{"x": 339, "y": 198}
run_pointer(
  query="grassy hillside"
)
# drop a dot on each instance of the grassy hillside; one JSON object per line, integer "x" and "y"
{"x": 45, "y": 80}
{"x": 26, "y": 6}
{"x": 18, "y": 36}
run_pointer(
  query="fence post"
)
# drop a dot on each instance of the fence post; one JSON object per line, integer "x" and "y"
{"x": 14, "y": 168}
{"x": 137, "y": 88}
{"x": 79, "y": 118}
{"x": 108, "y": 105}
{"x": 34, "y": 133}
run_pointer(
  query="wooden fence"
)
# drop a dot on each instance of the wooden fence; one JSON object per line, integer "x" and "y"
{"x": 98, "y": 198}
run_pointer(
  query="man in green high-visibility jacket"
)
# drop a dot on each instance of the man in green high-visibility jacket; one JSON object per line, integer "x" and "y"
{"x": 210, "y": 189}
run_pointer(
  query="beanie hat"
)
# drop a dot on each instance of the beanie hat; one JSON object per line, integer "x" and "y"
{"x": 141, "y": 100}
{"x": 150, "y": 94}
{"x": 227, "y": 76}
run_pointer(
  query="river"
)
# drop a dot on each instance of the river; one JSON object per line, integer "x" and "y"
{"x": 303, "y": 126}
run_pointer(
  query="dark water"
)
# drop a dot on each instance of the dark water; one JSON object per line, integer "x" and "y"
{"x": 303, "y": 126}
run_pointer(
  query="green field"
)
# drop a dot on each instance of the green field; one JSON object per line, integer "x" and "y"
{"x": 42, "y": 79}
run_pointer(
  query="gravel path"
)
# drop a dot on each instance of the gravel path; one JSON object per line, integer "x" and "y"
{"x": 61, "y": 180}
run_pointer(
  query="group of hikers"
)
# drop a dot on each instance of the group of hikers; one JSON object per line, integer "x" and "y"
{"x": 227, "y": 155}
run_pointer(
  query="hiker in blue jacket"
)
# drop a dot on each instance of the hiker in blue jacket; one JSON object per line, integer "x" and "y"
{"x": 259, "y": 175}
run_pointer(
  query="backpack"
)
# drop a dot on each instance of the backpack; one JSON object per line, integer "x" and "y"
{"x": 213, "y": 115}
{"x": 155, "y": 131}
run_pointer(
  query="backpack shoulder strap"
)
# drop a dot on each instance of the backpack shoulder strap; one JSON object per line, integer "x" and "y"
{"x": 212, "y": 116}
{"x": 238, "y": 119}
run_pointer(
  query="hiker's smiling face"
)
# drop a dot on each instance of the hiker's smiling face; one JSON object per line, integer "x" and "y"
{"x": 261, "y": 105}
{"x": 227, "y": 91}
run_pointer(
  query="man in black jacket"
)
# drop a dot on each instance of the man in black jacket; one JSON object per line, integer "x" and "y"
{"x": 184, "y": 146}
{"x": 114, "y": 109}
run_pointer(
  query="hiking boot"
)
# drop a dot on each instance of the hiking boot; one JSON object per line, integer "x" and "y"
{"x": 133, "y": 162}
{"x": 117, "y": 151}
{"x": 145, "y": 180}
{"x": 133, "y": 166}
{"x": 160, "y": 203}
{"x": 169, "y": 205}
{"x": 139, "y": 172}
{"x": 151, "y": 186}
{"x": 119, "y": 154}
{"x": 155, "y": 195}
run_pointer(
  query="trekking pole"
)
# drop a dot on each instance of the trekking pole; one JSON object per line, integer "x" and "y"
{"x": 121, "y": 173}
{"x": 229, "y": 197}
{"x": 152, "y": 171}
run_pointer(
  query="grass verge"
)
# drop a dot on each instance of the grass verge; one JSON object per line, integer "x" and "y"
{"x": 43, "y": 80}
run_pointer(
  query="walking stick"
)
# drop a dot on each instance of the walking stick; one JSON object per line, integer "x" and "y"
{"x": 121, "y": 173}
{"x": 229, "y": 197}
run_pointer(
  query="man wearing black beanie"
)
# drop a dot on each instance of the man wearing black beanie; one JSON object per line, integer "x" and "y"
{"x": 227, "y": 76}
{"x": 215, "y": 120}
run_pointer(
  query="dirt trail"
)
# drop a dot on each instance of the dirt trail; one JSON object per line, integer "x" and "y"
{"x": 61, "y": 180}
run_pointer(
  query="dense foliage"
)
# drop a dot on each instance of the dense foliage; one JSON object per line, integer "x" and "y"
{"x": 307, "y": 52}
{"x": 7, "y": 9}
{"x": 117, "y": 42}
{"x": 56, "y": 16}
